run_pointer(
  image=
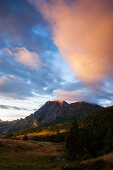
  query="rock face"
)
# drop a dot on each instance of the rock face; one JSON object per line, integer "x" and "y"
{"x": 57, "y": 112}
{"x": 53, "y": 110}
{"x": 35, "y": 123}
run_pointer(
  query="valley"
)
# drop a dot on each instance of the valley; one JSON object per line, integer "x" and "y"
{"x": 56, "y": 84}
{"x": 83, "y": 143}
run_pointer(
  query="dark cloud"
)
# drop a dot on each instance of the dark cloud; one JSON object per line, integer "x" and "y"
{"x": 12, "y": 107}
{"x": 101, "y": 94}
{"x": 17, "y": 20}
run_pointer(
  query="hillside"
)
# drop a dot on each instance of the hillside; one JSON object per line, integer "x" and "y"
{"x": 98, "y": 122}
{"x": 6, "y": 125}
{"x": 54, "y": 112}
{"x": 100, "y": 118}
{"x": 92, "y": 135}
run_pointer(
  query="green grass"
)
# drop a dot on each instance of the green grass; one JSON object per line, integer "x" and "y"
{"x": 36, "y": 155}
{"x": 19, "y": 154}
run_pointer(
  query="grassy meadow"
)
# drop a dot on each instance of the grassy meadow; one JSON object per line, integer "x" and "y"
{"x": 37, "y": 155}
{"x": 19, "y": 154}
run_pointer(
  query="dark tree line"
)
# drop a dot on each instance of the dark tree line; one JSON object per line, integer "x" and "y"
{"x": 83, "y": 143}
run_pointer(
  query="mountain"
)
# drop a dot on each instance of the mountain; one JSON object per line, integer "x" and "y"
{"x": 5, "y": 126}
{"x": 62, "y": 111}
{"x": 51, "y": 110}
{"x": 55, "y": 112}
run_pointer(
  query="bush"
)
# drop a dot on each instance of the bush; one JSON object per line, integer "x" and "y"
{"x": 25, "y": 137}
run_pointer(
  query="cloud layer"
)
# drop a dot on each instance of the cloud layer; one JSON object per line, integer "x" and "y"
{"x": 83, "y": 32}
{"x": 23, "y": 56}
{"x": 12, "y": 107}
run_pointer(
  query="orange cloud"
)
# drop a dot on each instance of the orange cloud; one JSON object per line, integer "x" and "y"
{"x": 23, "y": 56}
{"x": 68, "y": 96}
{"x": 83, "y": 32}
{"x": 77, "y": 95}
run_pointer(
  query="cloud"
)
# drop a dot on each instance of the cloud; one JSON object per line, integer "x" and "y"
{"x": 102, "y": 95}
{"x": 16, "y": 20}
{"x": 74, "y": 96}
{"x": 23, "y": 56}
{"x": 83, "y": 32}
{"x": 14, "y": 87}
{"x": 65, "y": 95}
{"x": 12, "y": 107}
{"x": 3, "y": 79}
{"x": 42, "y": 81}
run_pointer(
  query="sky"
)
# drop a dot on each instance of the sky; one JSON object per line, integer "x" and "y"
{"x": 54, "y": 50}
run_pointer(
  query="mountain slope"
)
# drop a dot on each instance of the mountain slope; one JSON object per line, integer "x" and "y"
{"x": 100, "y": 118}
{"x": 5, "y": 126}
{"x": 57, "y": 112}
{"x": 92, "y": 135}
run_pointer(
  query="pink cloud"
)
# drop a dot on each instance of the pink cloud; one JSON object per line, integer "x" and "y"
{"x": 7, "y": 79}
{"x": 68, "y": 96}
{"x": 83, "y": 32}
{"x": 23, "y": 56}
{"x": 77, "y": 95}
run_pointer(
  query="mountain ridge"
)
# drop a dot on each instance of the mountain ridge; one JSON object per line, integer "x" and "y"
{"x": 55, "y": 112}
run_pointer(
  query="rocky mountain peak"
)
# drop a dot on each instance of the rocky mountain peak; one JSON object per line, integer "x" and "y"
{"x": 56, "y": 111}
{"x": 53, "y": 109}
